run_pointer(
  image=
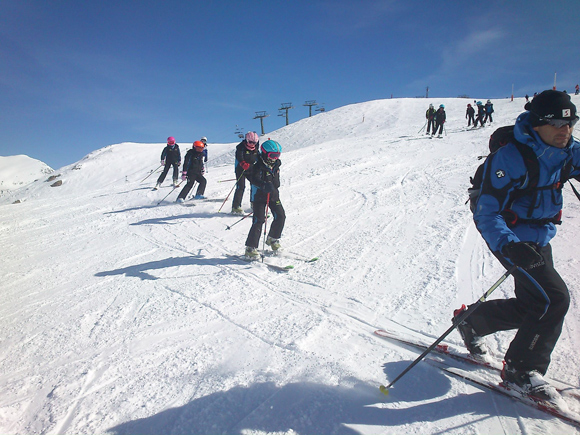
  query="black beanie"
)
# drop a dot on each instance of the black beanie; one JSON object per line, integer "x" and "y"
{"x": 552, "y": 105}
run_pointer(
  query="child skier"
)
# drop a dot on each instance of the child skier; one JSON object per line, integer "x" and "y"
{"x": 469, "y": 115}
{"x": 170, "y": 156}
{"x": 430, "y": 115}
{"x": 480, "y": 114}
{"x": 265, "y": 180}
{"x": 488, "y": 111}
{"x": 193, "y": 171}
{"x": 440, "y": 118}
{"x": 246, "y": 154}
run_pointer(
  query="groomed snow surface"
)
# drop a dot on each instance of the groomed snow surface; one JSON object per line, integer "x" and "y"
{"x": 121, "y": 316}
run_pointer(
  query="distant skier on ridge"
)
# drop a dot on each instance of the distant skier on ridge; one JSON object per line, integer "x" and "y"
{"x": 440, "y": 118}
{"x": 430, "y": 115}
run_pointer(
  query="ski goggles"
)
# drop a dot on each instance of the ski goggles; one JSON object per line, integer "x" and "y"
{"x": 273, "y": 155}
{"x": 559, "y": 123}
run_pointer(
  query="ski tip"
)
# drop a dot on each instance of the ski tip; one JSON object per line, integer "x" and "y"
{"x": 312, "y": 260}
{"x": 289, "y": 267}
{"x": 384, "y": 390}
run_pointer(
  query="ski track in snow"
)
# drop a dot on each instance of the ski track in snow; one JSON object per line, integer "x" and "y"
{"x": 120, "y": 316}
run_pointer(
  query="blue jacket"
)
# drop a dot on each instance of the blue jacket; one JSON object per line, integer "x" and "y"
{"x": 505, "y": 172}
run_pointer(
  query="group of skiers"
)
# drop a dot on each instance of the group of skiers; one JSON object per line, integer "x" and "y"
{"x": 515, "y": 218}
{"x": 484, "y": 113}
{"x": 259, "y": 164}
{"x": 193, "y": 167}
{"x": 436, "y": 118}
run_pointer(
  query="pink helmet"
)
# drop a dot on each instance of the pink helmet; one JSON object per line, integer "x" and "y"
{"x": 252, "y": 140}
{"x": 170, "y": 140}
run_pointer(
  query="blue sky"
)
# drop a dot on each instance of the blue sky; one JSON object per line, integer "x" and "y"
{"x": 76, "y": 76}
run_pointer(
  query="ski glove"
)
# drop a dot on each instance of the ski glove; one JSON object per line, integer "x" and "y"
{"x": 523, "y": 254}
{"x": 245, "y": 165}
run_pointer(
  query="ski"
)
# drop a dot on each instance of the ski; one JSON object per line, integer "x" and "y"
{"x": 507, "y": 391}
{"x": 448, "y": 350}
{"x": 287, "y": 254}
{"x": 441, "y": 349}
{"x": 268, "y": 264}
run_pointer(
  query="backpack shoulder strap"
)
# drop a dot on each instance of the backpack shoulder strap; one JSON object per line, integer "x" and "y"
{"x": 531, "y": 162}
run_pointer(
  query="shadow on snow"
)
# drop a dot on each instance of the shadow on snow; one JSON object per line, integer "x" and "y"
{"x": 307, "y": 408}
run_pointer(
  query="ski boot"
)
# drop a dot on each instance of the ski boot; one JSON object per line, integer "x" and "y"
{"x": 180, "y": 200}
{"x": 237, "y": 210}
{"x": 175, "y": 183}
{"x": 474, "y": 343}
{"x": 199, "y": 197}
{"x": 273, "y": 243}
{"x": 532, "y": 383}
{"x": 157, "y": 186}
{"x": 251, "y": 253}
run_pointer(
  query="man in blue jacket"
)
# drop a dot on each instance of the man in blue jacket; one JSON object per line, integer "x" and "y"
{"x": 517, "y": 222}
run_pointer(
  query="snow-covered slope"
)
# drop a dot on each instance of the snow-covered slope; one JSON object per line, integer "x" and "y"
{"x": 17, "y": 171}
{"x": 120, "y": 315}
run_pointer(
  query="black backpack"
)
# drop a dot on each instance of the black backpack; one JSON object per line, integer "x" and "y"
{"x": 499, "y": 138}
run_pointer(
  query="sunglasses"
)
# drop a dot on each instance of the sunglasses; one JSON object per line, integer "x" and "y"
{"x": 559, "y": 123}
{"x": 251, "y": 141}
{"x": 273, "y": 156}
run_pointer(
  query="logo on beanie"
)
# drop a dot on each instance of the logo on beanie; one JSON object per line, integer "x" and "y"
{"x": 566, "y": 113}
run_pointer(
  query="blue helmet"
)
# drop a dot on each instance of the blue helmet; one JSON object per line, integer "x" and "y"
{"x": 442, "y": 106}
{"x": 271, "y": 149}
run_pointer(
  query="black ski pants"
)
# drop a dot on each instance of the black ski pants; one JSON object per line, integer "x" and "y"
{"x": 438, "y": 127}
{"x": 537, "y": 312}
{"x": 478, "y": 119}
{"x": 241, "y": 176}
{"x": 487, "y": 116}
{"x": 190, "y": 182}
{"x": 166, "y": 170}
{"x": 259, "y": 218}
{"x": 431, "y": 125}
{"x": 470, "y": 120}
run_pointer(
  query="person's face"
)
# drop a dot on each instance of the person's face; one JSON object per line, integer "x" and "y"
{"x": 554, "y": 136}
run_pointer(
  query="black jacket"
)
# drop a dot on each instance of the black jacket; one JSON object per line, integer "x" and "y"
{"x": 193, "y": 164}
{"x": 440, "y": 116}
{"x": 171, "y": 154}
{"x": 265, "y": 180}
{"x": 243, "y": 154}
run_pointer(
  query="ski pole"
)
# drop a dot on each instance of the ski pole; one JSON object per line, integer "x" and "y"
{"x": 232, "y": 189}
{"x": 229, "y": 227}
{"x": 466, "y": 313}
{"x": 422, "y": 128}
{"x": 265, "y": 227}
{"x": 175, "y": 187}
{"x": 224, "y": 181}
{"x": 155, "y": 170}
{"x": 189, "y": 193}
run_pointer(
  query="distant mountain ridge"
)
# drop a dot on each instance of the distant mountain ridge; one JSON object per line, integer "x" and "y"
{"x": 18, "y": 171}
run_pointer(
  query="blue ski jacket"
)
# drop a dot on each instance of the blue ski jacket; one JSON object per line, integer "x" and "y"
{"x": 505, "y": 172}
